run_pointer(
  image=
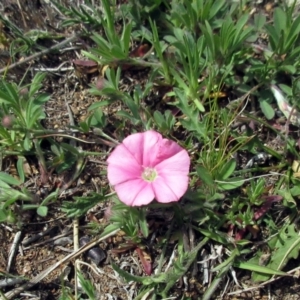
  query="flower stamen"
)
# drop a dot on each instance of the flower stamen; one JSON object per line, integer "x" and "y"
{"x": 149, "y": 174}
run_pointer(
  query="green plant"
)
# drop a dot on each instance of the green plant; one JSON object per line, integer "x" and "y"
{"x": 11, "y": 196}
{"x": 114, "y": 48}
{"x": 197, "y": 72}
{"x": 190, "y": 14}
{"x": 281, "y": 248}
{"x": 22, "y": 106}
{"x": 81, "y": 14}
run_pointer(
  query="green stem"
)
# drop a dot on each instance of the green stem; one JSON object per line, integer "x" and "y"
{"x": 40, "y": 155}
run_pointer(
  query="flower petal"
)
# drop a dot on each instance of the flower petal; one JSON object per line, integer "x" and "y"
{"x": 135, "y": 192}
{"x": 117, "y": 174}
{"x": 122, "y": 166}
{"x": 170, "y": 188}
{"x": 168, "y": 148}
{"x": 172, "y": 181}
{"x": 178, "y": 164}
{"x": 144, "y": 146}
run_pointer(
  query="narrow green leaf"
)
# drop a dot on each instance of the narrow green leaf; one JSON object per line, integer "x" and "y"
{"x": 133, "y": 108}
{"x": 240, "y": 27}
{"x": 144, "y": 227}
{"x": 280, "y": 19}
{"x": 288, "y": 68}
{"x": 117, "y": 52}
{"x": 109, "y": 228}
{"x": 84, "y": 127}
{"x": 258, "y": 269}
{"x": 42, "y": 211}
{"x": 231, "y": 183}
{"x": 87, "y": 287}
{"x": 289, "y": 43}
{"x": 216, "y": 7}
{"x": 126, "y": 115}
{"x": 209, "y": 35}
{"x": 69, "y": 148}
{"x": 158, "y": 117}
{"x": 228, "y": 262}
{"x": 199, "y": 105}
{"x": 227, "y": 169}
{"x": 50, "y": 197}
{"x": 267, "y": 109}
{"x": 294, "y": 31}
{"x": 81, "y": 205}
{"x": 20, "y": 168}
{"x": 128, "y": 277}
{"x": 293, "y": 55}
{"x": 36, "y": 83}
{"x": 109, "y": 17}
{"x": 259, "y": 20}
{"x": 9, "y": 179}
{"x": 99, "y": 104}
{"x": 126, "y": 34}
{"x": 90, "y": 55}
{"x": 29, "y": 206}
{"x": 273, "y": 37}
{"x": 8, "y": 94}
{"x": 216, "y": 236}
{"x": 3, "y": 215}
{"x": 205, "y": 175}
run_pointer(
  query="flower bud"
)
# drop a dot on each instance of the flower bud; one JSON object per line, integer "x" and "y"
{"x": 7, "y": 121}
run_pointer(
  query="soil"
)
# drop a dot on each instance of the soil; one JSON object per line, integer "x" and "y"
{"x": 46, "y": 241}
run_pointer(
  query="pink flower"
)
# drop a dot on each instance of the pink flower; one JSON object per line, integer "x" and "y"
{"x": 147, "y": 166}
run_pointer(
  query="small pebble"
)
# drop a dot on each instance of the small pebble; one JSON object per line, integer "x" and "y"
{"x": 96, "y": 254}
{"x": 63, "y": 241}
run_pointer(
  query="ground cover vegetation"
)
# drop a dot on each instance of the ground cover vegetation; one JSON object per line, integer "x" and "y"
{"x": 149, "y": 149}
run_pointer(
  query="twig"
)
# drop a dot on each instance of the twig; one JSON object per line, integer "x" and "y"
{"x": 57, "y": 69}
{"x": 13, "y": 250}
{"x": 48, "y": 240}
{"x": 12, "y": 294}
{"x": 34, "y": 238}
{"x": 7, "y": 228}
{"x": 41, "y": 53}
{"x": 21, "y": 10}
{"x": 10, "y": 281}
{"x": 72, "y": 122}
{"x": 76, "y": 247}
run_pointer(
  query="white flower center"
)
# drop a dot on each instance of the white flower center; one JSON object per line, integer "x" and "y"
{"x": 149, "y": 174}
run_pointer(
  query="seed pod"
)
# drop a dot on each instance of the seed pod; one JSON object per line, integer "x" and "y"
{"x": 96, "y": 254}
